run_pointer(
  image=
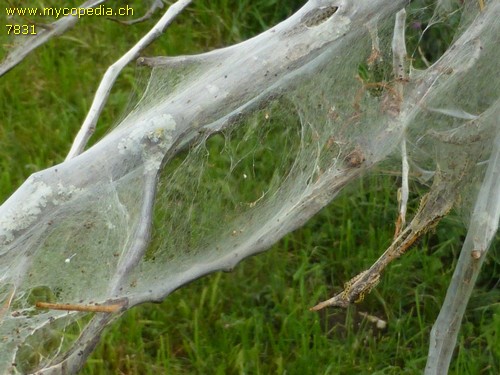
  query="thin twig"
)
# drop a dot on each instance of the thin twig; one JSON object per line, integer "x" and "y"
{"x": 404, "y": 192}
{"x": 76, "y": 307}
{"x": 379, "y": 323}
{"x": 112, "y": 73}
{"x": 400, "y": 77}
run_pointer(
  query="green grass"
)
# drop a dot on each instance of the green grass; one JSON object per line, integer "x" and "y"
{"x": 254, "y": 320}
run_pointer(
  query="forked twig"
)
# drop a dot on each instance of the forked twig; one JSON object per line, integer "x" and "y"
{"x": 434, "y": 206}
{"x": 102, "y": 93}
{"x": 357, "y": 287}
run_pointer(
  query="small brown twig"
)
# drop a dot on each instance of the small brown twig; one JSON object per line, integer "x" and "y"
{"x": 77, "y": 307}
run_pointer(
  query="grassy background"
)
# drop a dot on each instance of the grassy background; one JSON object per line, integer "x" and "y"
{"x": 254, "y": 320}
